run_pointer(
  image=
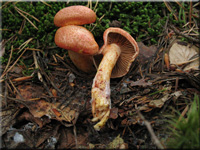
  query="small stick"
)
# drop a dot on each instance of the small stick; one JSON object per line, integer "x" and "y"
{"x": 150, "y": 129}
{"x": 37, "y": 66}
{"x": 51, "y": 82}
{"x": 190, "y": 14}
{"x": 176, "y": 84}
{"x": 75, "y": 136}
{"x": 22, "y": 101}
{"x": 186, "y": 36}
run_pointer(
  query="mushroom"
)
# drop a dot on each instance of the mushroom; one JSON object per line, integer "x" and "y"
{"x": 119, "y": 51}
{"x": 79, "y": 40}
{"x": 76, "y": 40}
{"x": 74, "y": 15}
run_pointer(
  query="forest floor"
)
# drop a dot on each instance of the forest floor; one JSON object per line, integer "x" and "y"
{"x": 52, "y": 109}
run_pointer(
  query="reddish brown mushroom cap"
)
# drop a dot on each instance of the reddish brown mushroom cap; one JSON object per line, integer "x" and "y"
{"x": 77, "y": 39}
{"x": 74, "y": 15}
{"x": 128, "y": 46}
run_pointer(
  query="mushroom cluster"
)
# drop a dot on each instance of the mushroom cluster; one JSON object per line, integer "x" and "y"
{"x": 119, "y": 51}
{"x": 77, "y": 39}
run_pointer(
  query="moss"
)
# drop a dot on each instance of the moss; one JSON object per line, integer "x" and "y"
{"x": 140, "y": 19}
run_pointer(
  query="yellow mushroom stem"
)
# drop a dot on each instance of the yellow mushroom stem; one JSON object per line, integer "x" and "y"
{"x": 101, "y": 103}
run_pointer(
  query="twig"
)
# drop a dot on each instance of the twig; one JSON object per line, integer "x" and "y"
{"x": 17, "y": 100}
{"x": 37, "y": 66}
{"x": 47, "y": 77}
{"x": 75, "y": 136}
{"x": 186, "y": 36}
{"x": 6, "y": 91}
{"x": 81, "y": 74}
{"x": 150, "y": 129}
{"x": 190, "y": 14}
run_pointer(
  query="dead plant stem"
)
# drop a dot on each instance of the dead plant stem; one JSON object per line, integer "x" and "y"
{"x": 150, "y": 129}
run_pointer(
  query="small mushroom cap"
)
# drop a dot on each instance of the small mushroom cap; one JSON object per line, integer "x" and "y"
{"x": 74, "y": 15}
{"x": 77, "y": 39}
{"x": 128, "y": 46}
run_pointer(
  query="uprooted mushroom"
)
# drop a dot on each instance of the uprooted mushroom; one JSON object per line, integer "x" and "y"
{"x": 119, "y": 51}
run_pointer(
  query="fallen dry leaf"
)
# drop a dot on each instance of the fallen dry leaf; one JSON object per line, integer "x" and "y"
{"x": 113, "y": 113}
{"x": 146, "y": 52}
{"x": 40, "y": 107}
{"x": 68, "y": 139}
{"x": 30, "y": 117}
{"x": 7, "y": 117}
{"x": 182, "y": 54}
{"x": 158, "y": 103}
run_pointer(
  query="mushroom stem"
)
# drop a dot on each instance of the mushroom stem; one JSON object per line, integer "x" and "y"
{"x": 101, "y": 102}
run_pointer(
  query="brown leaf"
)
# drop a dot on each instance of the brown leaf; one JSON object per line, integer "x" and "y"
{"x": 7, "y": 117}
{"x": 113, "y": 113}
{"x": 146, "y": 52}
{"x": 40, "y": 108}
{"x": 67, "y": 139}
{"x": 30, "y": 91}
{"x": 46, "y": 133}
{"x": 159, "y": 102}
{"x": 29, "y": 117}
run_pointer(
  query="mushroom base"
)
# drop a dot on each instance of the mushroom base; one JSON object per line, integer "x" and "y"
{"x": 101, "y": 102}
{"x": 83, "y": 62}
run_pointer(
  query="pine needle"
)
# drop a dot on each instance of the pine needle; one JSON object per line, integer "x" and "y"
{"x": 45, "y": 3}
{"x": 96, "y": 5}
{"x": 27, "y": 14}
{"x": 26, "y": 18}
{"x": 23, "y": 45}
{"x": 170, "y": 9}
{"x": 9, "y": 60}
{"x": 190, "y": 14}
{"x": 12, "y": 65}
